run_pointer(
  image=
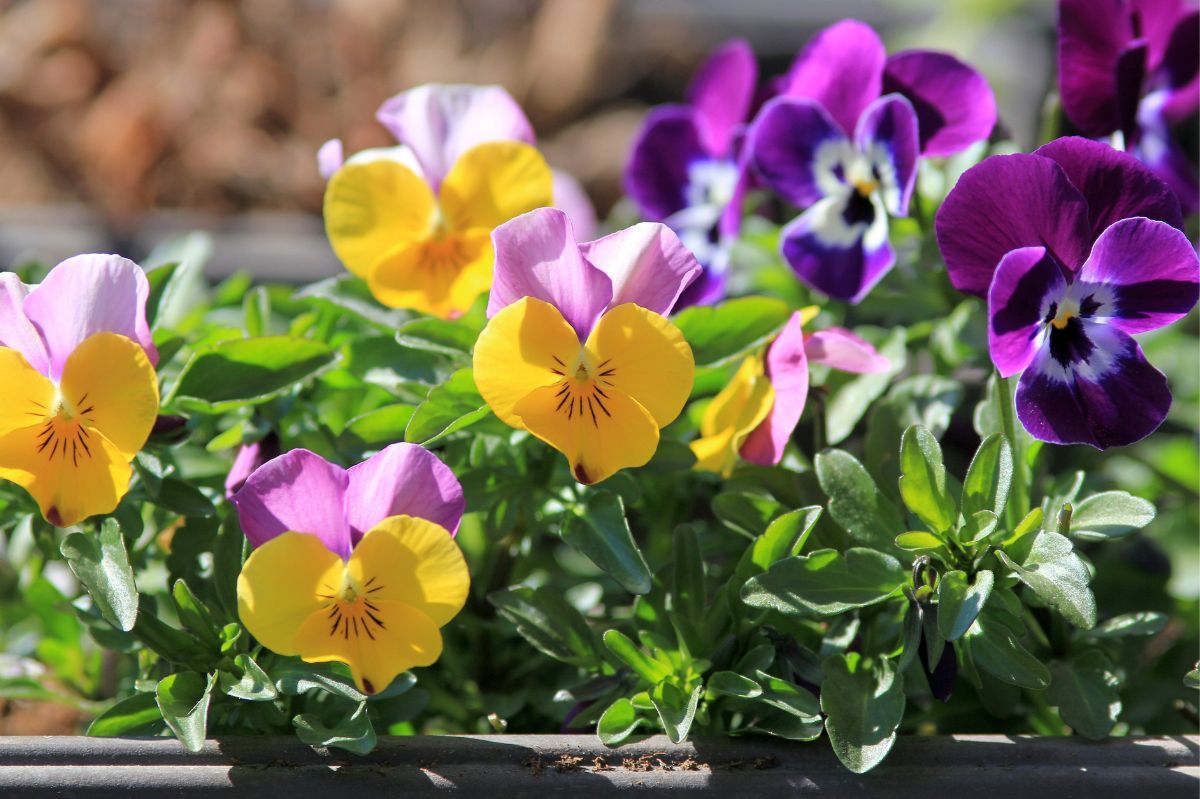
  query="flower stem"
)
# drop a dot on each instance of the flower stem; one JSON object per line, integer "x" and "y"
{"x": 1018, "y": 496}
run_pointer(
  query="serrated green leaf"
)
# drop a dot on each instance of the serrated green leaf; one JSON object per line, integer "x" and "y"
{"x": 863, "y": 700}
{"x": 826, "y": 582}
{"x": 102, "y": 565}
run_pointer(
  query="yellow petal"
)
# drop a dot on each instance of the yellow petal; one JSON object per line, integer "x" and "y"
{"x": 371, "y": 208}
{"x": 441, "y": 276}
{"x": 732, "y": 415}
{"x": 28, "y": 394}
{"x": 110, "y": 384}
{"x": 493, "y": 182}
{"x": 643, "y": 355}
{"x": 414, "y": 562}
{"x": 524, "y": 347}
{"x": 601, "y": 431}
{"x": 282, "y": 584}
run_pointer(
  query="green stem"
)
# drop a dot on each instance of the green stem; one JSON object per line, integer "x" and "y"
{"x": 1018, "y": 497}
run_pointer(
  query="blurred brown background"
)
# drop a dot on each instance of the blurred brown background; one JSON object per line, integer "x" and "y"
{"x": 113, "y": 112}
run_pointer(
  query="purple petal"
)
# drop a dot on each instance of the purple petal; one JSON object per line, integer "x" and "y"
{"x": 571, "y": 198}
{"x": 299, "y": 492}
{"x": 1180, "y": 69}
{"x": 1131, "y": 73}
{"x": 1158, "y": 149}
{"x": 1027, "y": 283}
{"x": 842, "y": 69}
{"x": 440, "y": 122}
{"x": 403, "y": 479}
{"x": 1149, "y": 273}
{"x": 1111, "y": 399}
{"x": 330, "y": 157}
{"x": 787, "y": 369}
{"x": 887, "y": 134}
{"x": 795, "y": 147}
{"x": 709, "y": 286}
{"x": 1114, "y": 184}
{"x": 16, "y": 331}
{"x": 841, "y": 259}
{"x": 1092, "y": 34}
{"x": 657, "y": 174}
{"x": 1003, "y": 203}
{"x": 537, "y": 256}
{"x": 1158, "y": 22}
{"x": 90, "y": 294}
{"x": 954, "y": 103}
{"x": 647, "y": 265}
{"x": 721, "y": 93}
{"x": 840, "y": 349}
{"x": 247, "y": 460}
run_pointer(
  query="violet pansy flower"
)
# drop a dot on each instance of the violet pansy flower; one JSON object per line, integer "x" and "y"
{"x": 843, "y": 139}
{"x": 1132, "y": 66}
{"x": 1079, "y": 249}
{"x": 686, "y": 169}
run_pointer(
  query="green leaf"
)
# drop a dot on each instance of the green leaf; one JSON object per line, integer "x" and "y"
{"x": 748, "y": 514}
{"x": 354, "y": 732}
{"x": 687, "y": 575}
{"x": 1192, "y": 678}
{"x": 377, "y": 428}
{"x": 450, "y": 407}
{"x": 1085, "y": 689}
{"x": 248, "y": 371}
{"x": 826, "y": 582}
{"x": 863, "y": 699}
{"x": 257, "y": 309}
{"x": 1056, "y": 574}
{"x": 184, "y": 499}
{"x": 730, "y": 683}
{"x": 920, "y": 541}
{"x": 927, "y": 400}
{"x": 989, "y": 477}
{"x": 785, "y": 536}
{"x": 175, "y": 272}
{"x": 788, "y": 697}
{"x": 959, "y": 603}
{"x": 134, "y": 715}
{"x": 438, "y": 335}
{"x": 994, "y": 648}
{"x": 676, "y": 710}
{"x": 923, "y": 480}
{"x": 102, "y": 565}
{"x": 1143, "y": 623}
{"x": 1111, "y": 514}
{"x": 855, "y": 502}
{"x": 628, "y": 653}
{"x": 195, "y": 617}
{"x": 978, "y": 527}
{"x": 849, "y": 401}
{"x": 183, "y": 700}
{"x": 254, "y": 685}
{"x": 349, "y": 294}
{"x": 548, "y": 621}
{"x": 300, "y": 677}
{"x": 719, "y": 332}
{"x": 229, "y": 552}
{"x": 617, "y": 722}
{"x": 602, "y": 534}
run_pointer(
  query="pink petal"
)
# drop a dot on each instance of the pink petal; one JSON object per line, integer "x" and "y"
{"x": 330, "y": 158}
{"x": 839, "y": 348}
{"x": 571, "y": 198}
{"x": 16, "y": 331}
{"x": 787, "y": 369}
{"x": 403, "y": 479}
{"x": 647, "y": 264}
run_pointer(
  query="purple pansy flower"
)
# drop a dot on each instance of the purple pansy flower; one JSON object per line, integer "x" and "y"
{"x": 686, "y": 169}
{"x": 843, "y": 142}
{"x": 1131, "y": 66}
{"x": 1075, "y": 246}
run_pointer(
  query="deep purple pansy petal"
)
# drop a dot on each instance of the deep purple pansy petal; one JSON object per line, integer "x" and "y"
{"x": 721, "y": 92}
{"x": 1113, "y": 398}
{"x": 1131, "y": 74}
{"x": 709, "y": 286}
{"x": 1091, "y": 37}
{"x": 330, "y": 157}
{"x": 1114, "y": 184}
{"x": 787, "y": 368}
{"x": 887, "y": 135}
{"x": 440, "y": 122}
{"x": 840, "y": 246}
{"x": 842, "y": 69}
{"x": 403, "y": 479}
{"x": 646, "y": 263}
{"x": 657, "y": 173}
{"x": 571, "y": 198}
{"x": 298, "y": 492}
{"x": 1180, "y": 69}
{"x": 954, "y": 103}
{"x": 1145, "y": 274}
{"x": 1158, "y": 149}
{"x": 1027, "y": 283}
{"x": 16, "y": 331}
{"x": 795, "y": 147}
{"x": 1157, "y": 22}
{"x": 90, "y": 294}
{"x": 538, "y": 256}
{"x": 1006, "y": 202}
{"x": 841, "y": 349}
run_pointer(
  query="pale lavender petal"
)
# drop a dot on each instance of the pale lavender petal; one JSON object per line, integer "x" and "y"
{"x": 721, "y": 92}
{"x": 647, "y": 265}
{"x": 537, "y": 255}
{"x": 571, "y": 198}
{"x": 440, "y": 122}
{"x": 1145, "y": 273}
{"x": 1111, "y": 398}
{"x": 840, "y": 246}
{"x": 16, "y": 331}
{"x": 787, "y": 368}
{"x": 403, "y": 479}
{"x": 1092, "y": 34}
{"x": 297, "y": 492}
{"x": 1027, "y": 286}
{"x": 329, "y": 158}
{"x": 842, "y": 69}
{"x": 1007, "y": 202}
{"x": 798, "y": 150}
{"x": 90, "y": 294}
{"x": 954, "y": 103}
{"x": 887, "y": 135}
{"x": 841, "y": 349}
{"x": 657, "y": 174}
